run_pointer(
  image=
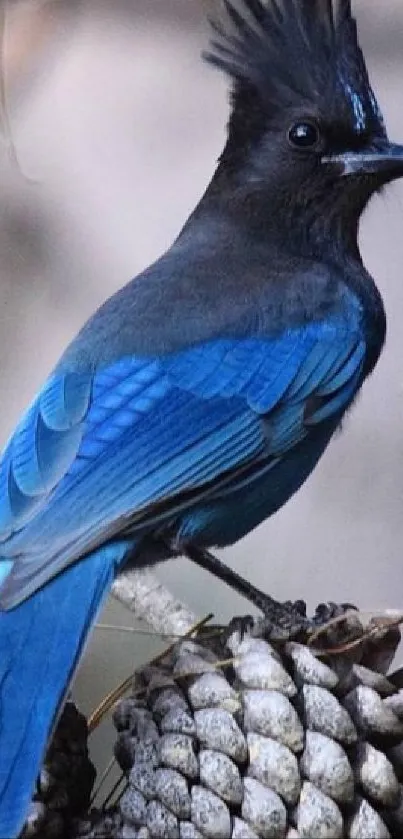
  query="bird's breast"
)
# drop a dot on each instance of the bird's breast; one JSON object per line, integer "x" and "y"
{"x": 224, "y": 521}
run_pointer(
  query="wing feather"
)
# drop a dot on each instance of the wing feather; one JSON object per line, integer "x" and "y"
{"x": 100, "y": 448}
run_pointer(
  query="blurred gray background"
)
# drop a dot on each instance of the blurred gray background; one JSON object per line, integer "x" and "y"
{"x": 117, "y": 125}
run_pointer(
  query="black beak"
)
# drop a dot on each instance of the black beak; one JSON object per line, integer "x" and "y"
{"x": 385, "y": 160}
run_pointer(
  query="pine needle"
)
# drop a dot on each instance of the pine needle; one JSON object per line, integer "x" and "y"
{"x": 113, "y": 790}
{"x": 109, "y": 700}
{"x": 151, "y": 633}
{"x": 103, "y": 778}
{"x": 330, "y": 624}
{"x": 379, "y": 625}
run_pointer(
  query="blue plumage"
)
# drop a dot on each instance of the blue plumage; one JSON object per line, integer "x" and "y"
{"x": 199, "y": 398}
{"x": 143, "y": 430}
{"x": 86, "y": 462}
{"x": 40, "y": 645}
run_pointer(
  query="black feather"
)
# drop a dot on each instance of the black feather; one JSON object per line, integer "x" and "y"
{"x": 295, "y": 54}
{"x": 343, "y": 11}
{"x": 258, "y": 11}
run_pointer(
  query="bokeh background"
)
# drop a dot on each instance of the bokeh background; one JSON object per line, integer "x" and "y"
{"x": 111, "y": 126}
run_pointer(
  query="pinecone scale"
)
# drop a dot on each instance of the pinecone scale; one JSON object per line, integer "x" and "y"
{"x": 279, "y": 742}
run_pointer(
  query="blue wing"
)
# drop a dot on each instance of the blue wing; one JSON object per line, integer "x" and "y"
{"x": 101, "y": 448}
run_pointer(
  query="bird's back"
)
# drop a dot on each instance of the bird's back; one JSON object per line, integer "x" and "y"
{"x": 215, "y": 338}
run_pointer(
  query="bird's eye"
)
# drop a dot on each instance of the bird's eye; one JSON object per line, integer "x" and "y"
{"x": 304, "y": 135}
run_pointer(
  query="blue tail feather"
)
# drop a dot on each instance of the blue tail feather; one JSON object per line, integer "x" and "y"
{"x": 40, "y": 644}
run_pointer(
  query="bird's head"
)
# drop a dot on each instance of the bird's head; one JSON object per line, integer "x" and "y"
{"x": 306, "y": 137}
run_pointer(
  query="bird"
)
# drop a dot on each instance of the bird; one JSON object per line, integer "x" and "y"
{"x": 199, "y": 398}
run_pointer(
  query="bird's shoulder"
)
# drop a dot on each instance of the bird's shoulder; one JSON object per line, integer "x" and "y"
{"x": 191, "y": 297}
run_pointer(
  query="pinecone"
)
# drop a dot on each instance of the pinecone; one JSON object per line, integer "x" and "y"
{"x": 234, "y": 737}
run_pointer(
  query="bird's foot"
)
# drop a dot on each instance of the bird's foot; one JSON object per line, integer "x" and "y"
{"x": 335, "y": 625}
{"x": 326, "y": 612}
{"x": 283, "y": 621}
{"x": 331, "y": 625}
{"x": 280, "y": 621}
{"x": 332, "y": 622}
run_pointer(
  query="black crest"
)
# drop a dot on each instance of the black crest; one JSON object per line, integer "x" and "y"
{"x": 294, "y": 52}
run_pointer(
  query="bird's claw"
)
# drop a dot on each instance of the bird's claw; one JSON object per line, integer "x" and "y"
{"x": 326, "y": 612}
{"x": 279, "y": 622}
{"x": 284, "y": 621}
{"x": 288, "y": 621}
{"x": 241, "y": 624}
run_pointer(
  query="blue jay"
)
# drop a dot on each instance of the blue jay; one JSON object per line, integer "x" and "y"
{"x": 197, "y": 400}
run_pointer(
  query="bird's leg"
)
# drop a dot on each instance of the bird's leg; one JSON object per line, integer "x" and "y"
{"x": 287, "y": 618}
